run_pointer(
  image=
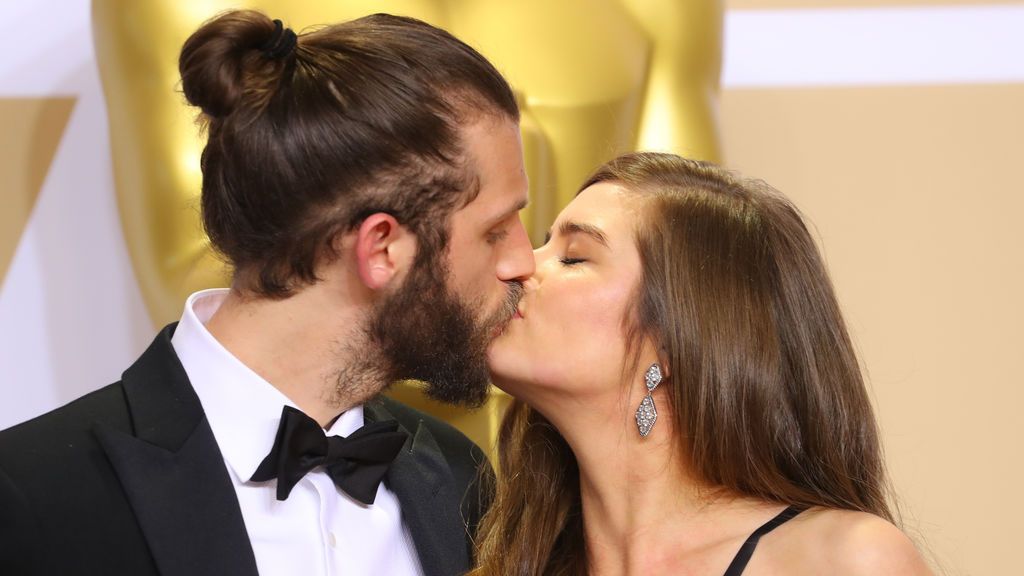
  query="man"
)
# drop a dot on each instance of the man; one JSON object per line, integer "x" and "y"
{"x": 364, "y": 181}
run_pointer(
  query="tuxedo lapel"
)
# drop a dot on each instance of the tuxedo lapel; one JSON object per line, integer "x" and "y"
{"x": 174, "y": 474}
{"x": 422, "y": 479}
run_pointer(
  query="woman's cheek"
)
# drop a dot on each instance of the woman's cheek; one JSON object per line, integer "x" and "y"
{"x": 591, "y": 328}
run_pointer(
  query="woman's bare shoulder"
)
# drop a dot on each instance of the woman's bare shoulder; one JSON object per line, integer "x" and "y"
{"x": 847, "y": 543}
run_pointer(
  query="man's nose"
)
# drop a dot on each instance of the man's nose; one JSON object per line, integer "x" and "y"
{"x": 517, "y": 262}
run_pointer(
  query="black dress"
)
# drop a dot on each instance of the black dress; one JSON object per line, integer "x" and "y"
{"x": 747, "y": 550}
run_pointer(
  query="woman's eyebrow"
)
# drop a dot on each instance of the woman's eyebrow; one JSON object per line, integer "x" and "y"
{"x": 568, "y": 228}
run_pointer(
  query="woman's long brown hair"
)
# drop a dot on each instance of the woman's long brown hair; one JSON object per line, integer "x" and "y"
{"x": 766, "y": 392}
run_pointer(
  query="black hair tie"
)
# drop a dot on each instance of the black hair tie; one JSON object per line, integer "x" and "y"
{"x": 281, "y": 42}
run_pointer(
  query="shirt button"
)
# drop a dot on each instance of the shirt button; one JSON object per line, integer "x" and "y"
{"x": 332, "y": 540}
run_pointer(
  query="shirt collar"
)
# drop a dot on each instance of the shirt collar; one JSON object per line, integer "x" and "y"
{"x": 243, "y": 409}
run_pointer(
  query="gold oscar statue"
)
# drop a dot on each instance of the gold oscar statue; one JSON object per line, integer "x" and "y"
{"x": 595, "y": 78}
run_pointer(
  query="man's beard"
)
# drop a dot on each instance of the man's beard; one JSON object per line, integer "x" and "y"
{"x": 426, "y": 332}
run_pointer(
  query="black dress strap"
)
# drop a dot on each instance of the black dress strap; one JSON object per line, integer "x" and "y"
{"x": 739, "y": 563}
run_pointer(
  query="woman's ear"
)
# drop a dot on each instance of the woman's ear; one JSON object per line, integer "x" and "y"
{"x": 655, "y": 353}
{"x": 666, "y": 370}
{"x": 380, "y": 250}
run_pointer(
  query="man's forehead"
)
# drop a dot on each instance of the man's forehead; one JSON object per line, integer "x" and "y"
{"x": 496, "y": 205}
{"x": 494, "y": 150}
{"x": 490, "y": 141}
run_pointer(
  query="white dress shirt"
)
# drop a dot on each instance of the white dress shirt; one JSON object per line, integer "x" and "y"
{"x": 318, "y": 530}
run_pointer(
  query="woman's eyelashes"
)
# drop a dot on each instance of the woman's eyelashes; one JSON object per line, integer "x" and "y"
{"x": 564, "y": 260}
{"x": 570, "y": 261}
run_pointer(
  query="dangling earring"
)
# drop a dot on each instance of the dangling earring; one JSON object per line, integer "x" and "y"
{"x": 647, "y": 414}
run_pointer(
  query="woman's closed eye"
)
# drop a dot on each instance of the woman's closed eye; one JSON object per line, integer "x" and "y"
{"x": 570, "y": 261}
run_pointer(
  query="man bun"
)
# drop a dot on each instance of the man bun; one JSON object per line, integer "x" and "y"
{"x": 224, "y": 62}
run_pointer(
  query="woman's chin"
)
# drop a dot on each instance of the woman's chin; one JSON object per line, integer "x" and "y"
{"x": 502, "y": 356}
{"x": 499, "y": 376}
{"x": 502, "y": 376}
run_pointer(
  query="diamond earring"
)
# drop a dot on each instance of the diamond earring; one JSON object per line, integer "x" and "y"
{"x": 647, "y": 414}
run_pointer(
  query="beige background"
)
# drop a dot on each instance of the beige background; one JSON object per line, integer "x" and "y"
{"x": 815, "y": 4}
{"x": 32, "y": 130}
{"x": 915, "y": 193}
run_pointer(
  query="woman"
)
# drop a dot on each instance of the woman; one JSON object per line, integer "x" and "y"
{"x": 688, "y": 393}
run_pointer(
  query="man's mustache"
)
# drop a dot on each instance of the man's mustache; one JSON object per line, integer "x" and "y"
{"x": 508, "y": 306}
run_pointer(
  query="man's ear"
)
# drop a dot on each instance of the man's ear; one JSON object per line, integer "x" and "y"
{"x": 381, "y": 250}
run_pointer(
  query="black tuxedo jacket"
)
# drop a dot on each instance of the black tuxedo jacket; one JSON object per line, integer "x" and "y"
{"x": 129, "y": 480}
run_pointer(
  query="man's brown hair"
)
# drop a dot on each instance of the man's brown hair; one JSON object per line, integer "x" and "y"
{"x": 304, "y": 143}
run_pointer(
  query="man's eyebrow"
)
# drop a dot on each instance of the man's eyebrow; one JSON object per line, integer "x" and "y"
{"x": 518, "y": 207}
{"x": 568, "y": 228}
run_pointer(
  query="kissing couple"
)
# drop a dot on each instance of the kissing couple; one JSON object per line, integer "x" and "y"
{"x": 688, "y": 398}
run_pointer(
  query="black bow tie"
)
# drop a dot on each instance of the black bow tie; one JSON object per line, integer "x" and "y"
{"x": 357, "y": 464}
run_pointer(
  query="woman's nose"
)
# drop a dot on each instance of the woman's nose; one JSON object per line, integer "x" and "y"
{"x": 531, "y": 283}
{"x": 540, "y": 258}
